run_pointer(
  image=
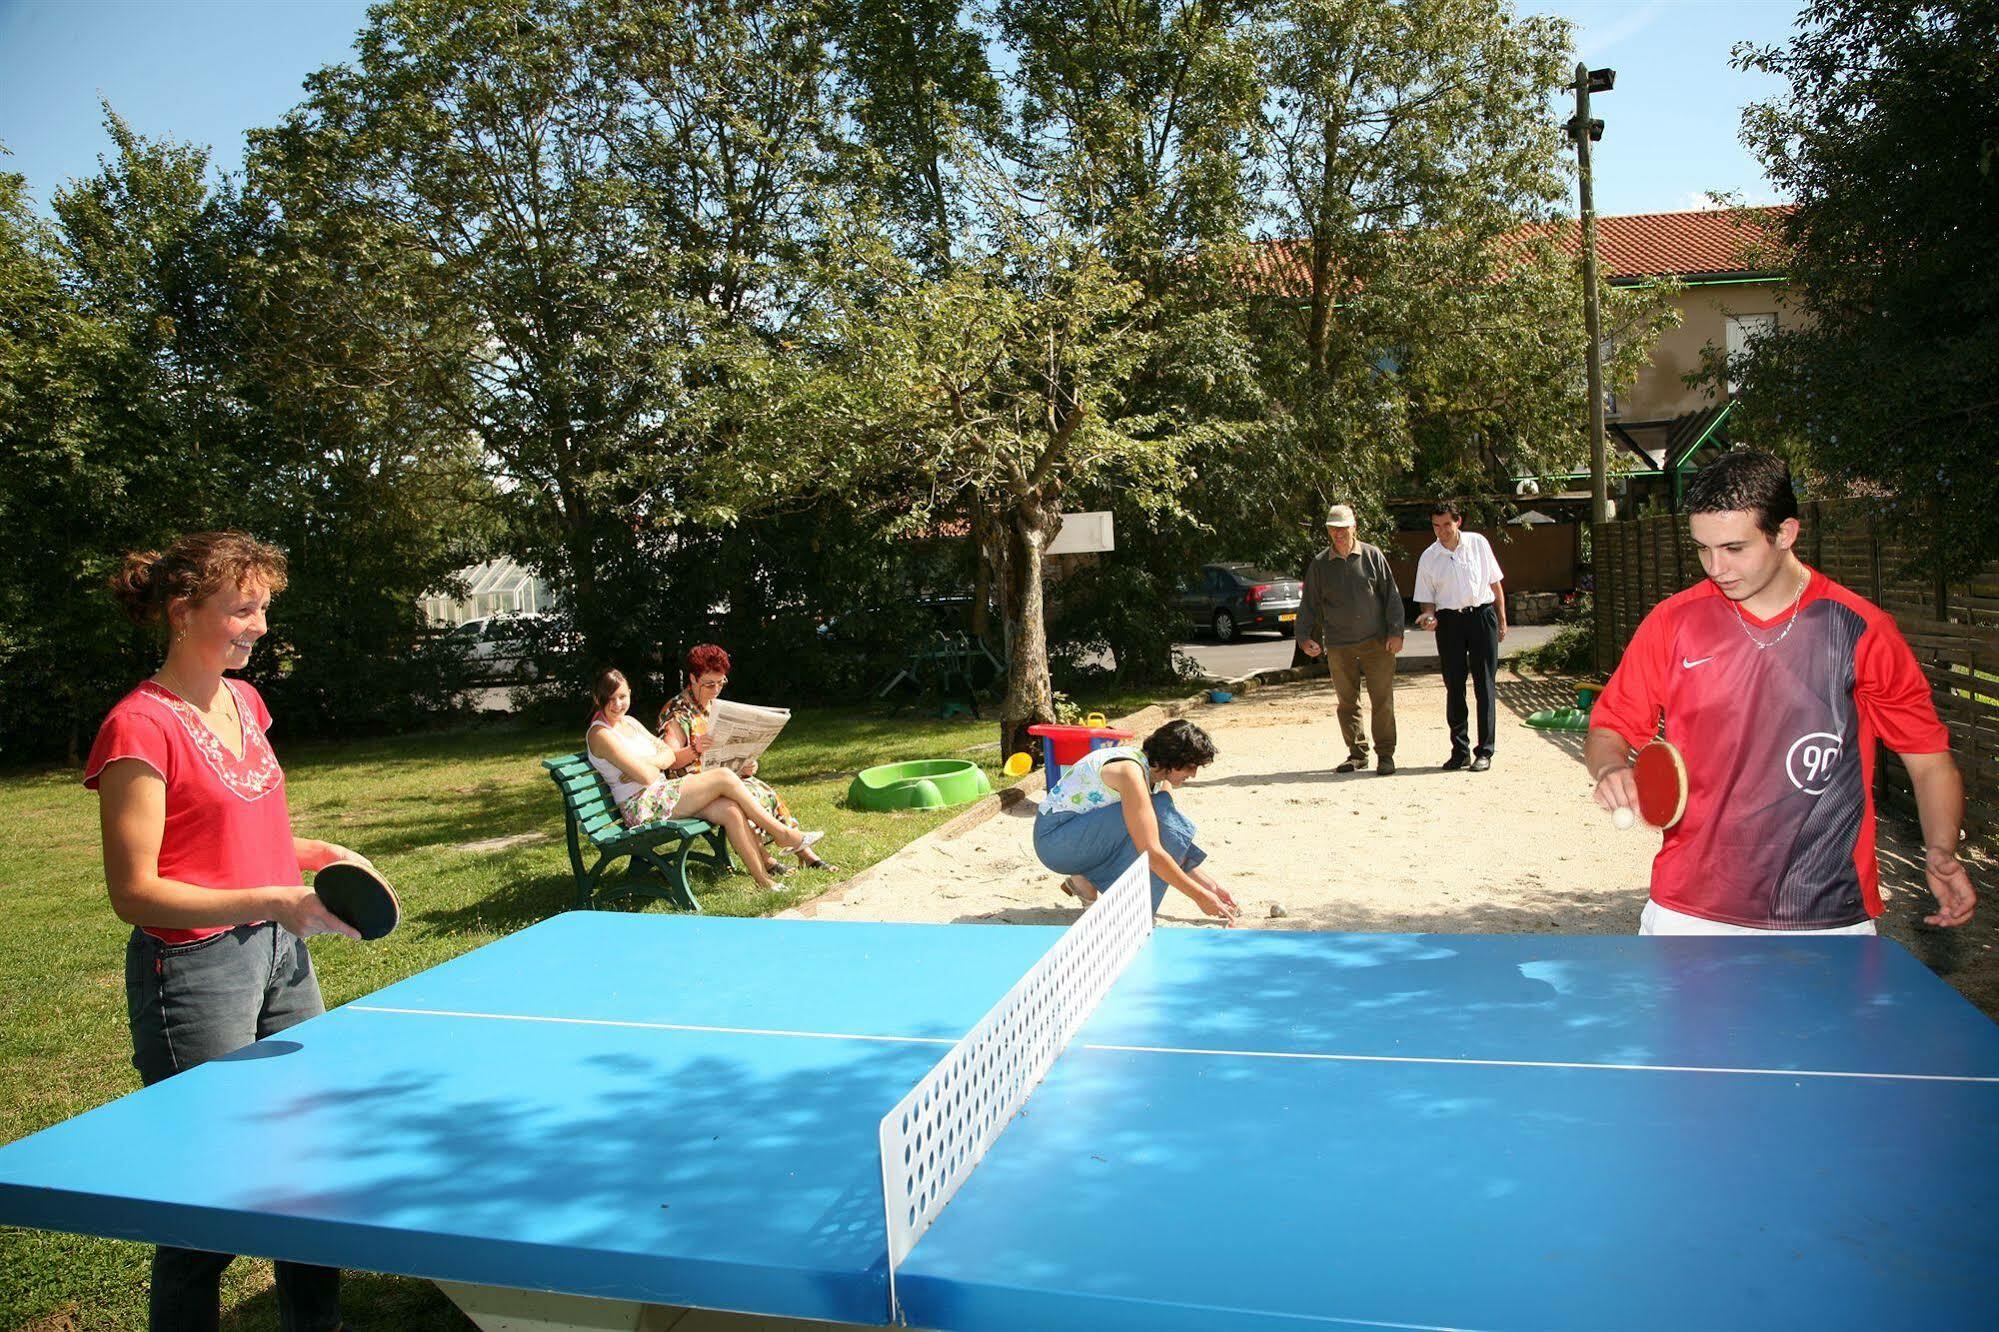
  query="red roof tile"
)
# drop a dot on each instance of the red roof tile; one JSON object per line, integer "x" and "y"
{"x": 1705, "y": 244}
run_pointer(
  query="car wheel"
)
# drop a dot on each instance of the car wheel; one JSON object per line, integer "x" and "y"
{"x": 1225, "y": 630}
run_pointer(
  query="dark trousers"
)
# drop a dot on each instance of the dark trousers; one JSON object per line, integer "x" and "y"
{"x": 190, "y": 1003}
{"x": 1468, "y": 644}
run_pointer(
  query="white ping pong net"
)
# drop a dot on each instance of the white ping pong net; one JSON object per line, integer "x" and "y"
{"x": 935, "y": 1136}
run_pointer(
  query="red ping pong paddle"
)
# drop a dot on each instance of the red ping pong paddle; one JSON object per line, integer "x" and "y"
{"x": 359, "y": 896}
{"x": 1661, "y": 775}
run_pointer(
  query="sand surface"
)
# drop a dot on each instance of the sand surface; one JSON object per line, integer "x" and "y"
{"x": 1519, "y": 848}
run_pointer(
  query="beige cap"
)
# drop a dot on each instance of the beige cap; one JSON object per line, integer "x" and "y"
{"x": 1340, "y": 515}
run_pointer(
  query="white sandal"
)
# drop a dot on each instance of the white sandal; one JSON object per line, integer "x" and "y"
{"x": 805, "y": 841}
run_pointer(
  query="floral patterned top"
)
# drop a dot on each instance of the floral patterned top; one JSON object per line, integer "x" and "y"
{"x": 1081, "y": 788}
{"x": 227, "y": 823}
{"x": 680, "y": 711}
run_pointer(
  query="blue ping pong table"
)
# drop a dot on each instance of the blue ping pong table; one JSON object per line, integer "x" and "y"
{"x": 1252, "y": 1129}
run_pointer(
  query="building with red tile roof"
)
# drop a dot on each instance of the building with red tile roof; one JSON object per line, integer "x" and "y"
{"x": 1731, "y": 266}
{"x": 1714, "y": 244}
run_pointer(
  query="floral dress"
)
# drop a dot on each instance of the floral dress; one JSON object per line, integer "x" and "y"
{"x": 1081, "y": 788}
{"x": 692, "y": 721}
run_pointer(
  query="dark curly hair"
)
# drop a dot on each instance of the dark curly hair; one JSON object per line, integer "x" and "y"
{"x": 1745, "y": 481}
{"x": 193, "y": 569}
{"x": 703, "y": 658}
{"x": 1179, "y": 744}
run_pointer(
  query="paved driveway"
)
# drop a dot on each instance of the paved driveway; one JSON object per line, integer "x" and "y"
{"x": 1232, "y": 661}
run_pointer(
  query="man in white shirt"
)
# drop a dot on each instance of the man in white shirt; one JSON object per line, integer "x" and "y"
{"x": 1461, "y": 590}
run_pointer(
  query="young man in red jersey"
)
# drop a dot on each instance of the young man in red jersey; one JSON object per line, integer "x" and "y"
{"x": 1774, "y": 682}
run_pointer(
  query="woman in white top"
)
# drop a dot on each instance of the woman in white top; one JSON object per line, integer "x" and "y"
{"x": 631, "y": 760}
{"x": 1116, "y": 805}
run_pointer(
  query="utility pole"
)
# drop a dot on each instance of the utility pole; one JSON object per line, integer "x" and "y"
{"x": 1583, "y": 132}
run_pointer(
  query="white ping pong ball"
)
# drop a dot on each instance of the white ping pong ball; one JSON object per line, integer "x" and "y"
{"x": 1622, "y": 816}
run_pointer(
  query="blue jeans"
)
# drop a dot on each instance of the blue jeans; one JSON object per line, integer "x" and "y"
{"x": 189, "y": 1003}
{"x": 1098, "y": 846}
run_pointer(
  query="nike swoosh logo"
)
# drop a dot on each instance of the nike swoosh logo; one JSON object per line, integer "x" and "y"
{"x": 1687, "y": 665}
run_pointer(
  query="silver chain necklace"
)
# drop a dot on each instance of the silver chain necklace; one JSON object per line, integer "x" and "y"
{"x": 1792, "y": 620}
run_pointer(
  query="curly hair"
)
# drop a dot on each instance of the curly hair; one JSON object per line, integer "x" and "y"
{"x": 1179, "y": 744}
{"x": 704, "y": 659}
{"x": 193, "y": 569}
{"x": 1745, "y": 481}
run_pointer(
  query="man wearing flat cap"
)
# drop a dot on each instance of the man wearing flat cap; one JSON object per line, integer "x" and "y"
{"x": 1352, "y": 613}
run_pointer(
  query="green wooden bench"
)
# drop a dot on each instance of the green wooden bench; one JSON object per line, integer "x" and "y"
{"x": 664, "y": 848}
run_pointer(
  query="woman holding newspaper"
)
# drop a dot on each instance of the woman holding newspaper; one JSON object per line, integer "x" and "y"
{"x": 632, "y": 761}
{"x": 686, "y": 723}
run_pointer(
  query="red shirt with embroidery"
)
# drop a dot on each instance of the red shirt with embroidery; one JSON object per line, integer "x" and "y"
{"x": 227, "y": 824}
{"x": 1779, "y": 746}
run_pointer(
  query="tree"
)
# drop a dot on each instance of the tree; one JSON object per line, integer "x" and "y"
{"x": 117, "y": 423}
{"x": 54, "y": 653}
{"x": 1429, "y": 330}
{"x": 1122, "y": 128}
{"x": 1142, "y": 125}
{"x": 364, "y": 472}
{"x": 1887, "y": 378}
{"x": 1000, "y": 385}
{"x": 603, "y": 195}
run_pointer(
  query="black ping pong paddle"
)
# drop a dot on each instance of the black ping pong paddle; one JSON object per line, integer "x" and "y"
{"x": 359, "y": 896}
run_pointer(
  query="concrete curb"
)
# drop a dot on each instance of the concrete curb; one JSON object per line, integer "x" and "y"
{"x": 1273, "y": 675}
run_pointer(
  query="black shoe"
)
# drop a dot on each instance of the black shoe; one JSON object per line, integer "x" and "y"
{"x": 1481, "y": 763}
{"x": 1456, "y": 761}
{"x": 1386, "y": 767}
{"x": 1352, "y": 765}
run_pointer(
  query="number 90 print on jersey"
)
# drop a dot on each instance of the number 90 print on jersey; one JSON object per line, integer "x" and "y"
{"x": 1811, "y": 760}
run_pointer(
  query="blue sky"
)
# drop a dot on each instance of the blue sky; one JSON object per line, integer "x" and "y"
{"x": 205, "y": 71}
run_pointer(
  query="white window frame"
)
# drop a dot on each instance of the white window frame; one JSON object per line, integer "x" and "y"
{"x": 1740, "y": 332}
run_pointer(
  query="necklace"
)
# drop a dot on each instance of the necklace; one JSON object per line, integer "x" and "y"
{"x": 172, "y": 686}
{"x": 1789, "y": 620}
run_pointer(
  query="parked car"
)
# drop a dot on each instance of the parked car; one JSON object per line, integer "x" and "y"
{"x": 511, "y": 645}
{"x": 1232, "y": 597}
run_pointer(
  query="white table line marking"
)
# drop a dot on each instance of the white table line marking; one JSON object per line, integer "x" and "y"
{"x": 660, "y": 1026}
{"x": 1309, "y": 1056}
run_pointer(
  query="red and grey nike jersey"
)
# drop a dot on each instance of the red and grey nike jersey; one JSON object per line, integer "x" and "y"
{"x": 1779, "y": 746}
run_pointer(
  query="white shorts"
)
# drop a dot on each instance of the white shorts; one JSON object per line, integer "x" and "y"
{"x": 1656, "y": 919}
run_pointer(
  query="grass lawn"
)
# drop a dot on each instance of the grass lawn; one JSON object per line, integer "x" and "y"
{"x": 414, "y": 805}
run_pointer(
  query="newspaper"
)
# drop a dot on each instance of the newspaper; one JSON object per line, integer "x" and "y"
{"x": 739, "y": 732}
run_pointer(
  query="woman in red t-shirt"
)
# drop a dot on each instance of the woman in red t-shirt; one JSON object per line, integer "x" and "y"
{"x": 200, "y": 858}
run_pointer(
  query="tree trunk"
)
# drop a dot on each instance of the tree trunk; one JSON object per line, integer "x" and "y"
{"x": 982, "y": 574}
{"x": 588, "y": 616}
{"x": 1029, "y": 696}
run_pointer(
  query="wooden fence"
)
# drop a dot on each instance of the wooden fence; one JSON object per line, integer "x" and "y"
{"x": 1953, "y": 627}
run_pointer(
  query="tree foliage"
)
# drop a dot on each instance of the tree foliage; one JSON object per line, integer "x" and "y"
{"x": 995, "y": 389}
{"x": 170, "y": 364}
{"x": 1436, "y": 330}
{"x": 1887, "y": 379}
{"x": 707, "y": 310}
